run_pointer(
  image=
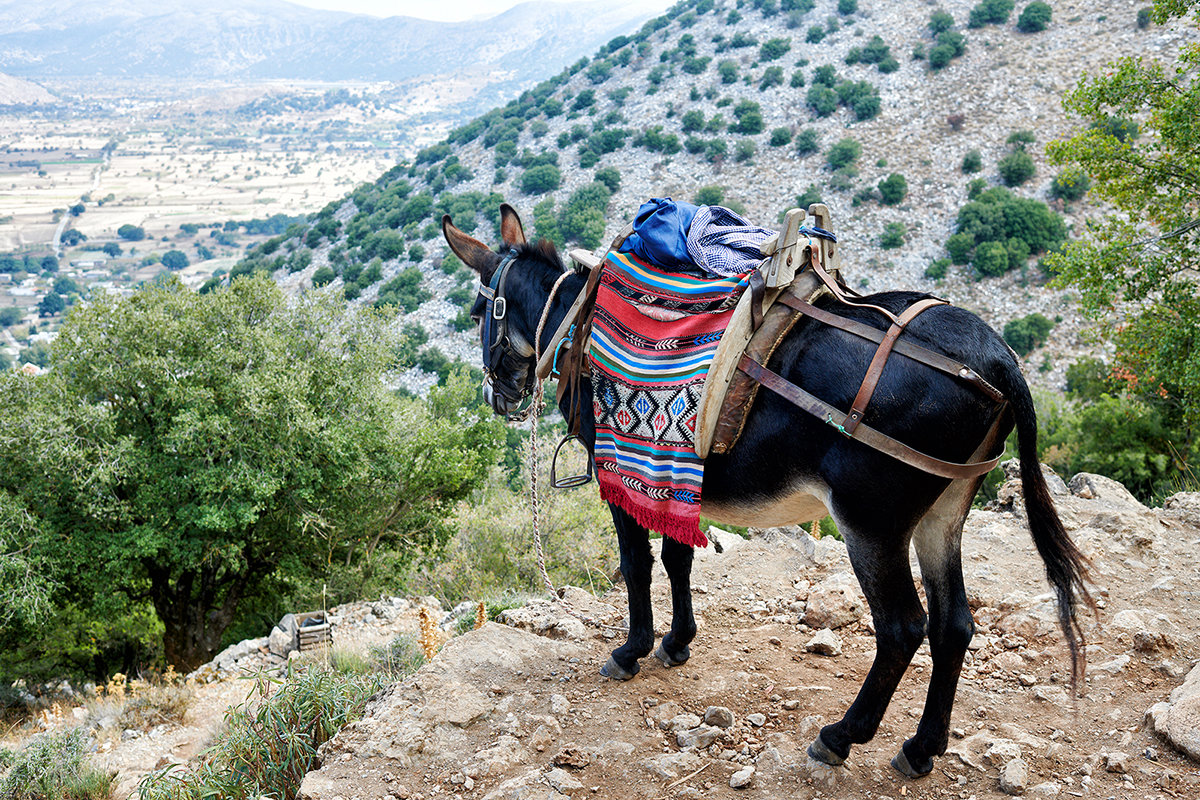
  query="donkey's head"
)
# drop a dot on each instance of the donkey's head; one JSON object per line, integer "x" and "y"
{"x": 514, "y": 284}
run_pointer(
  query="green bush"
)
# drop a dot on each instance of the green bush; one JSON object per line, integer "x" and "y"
{"x": 940, "y": 56}
{"x": 1020, "y": 138}
{"x": 728, "y": 70}
{"x": 940, "y": 21}
{"x": 749, "y": 118}
{"x": 824, "y": 75}
{"x": 809, "y": 196}
{"x": 821, "y": 99}
{"x": 582, "y": 218}
{"x": 715, "y": 150}
{"x": 1070, "y": 184}
{"x": 774, "y": 48}
{"x": 991, "y": 259}
{"x": 843, "y": 154}
{"x": 990, "y": 12}
{"x": 610, "y": 177}
{"x": 1034, "y": 18}
{"x": 972, "y": 162}
{"x": 893, "y": 235}
{"x": 745, "y": 150}
{"x": 1143, "y": 18}
{"x": 322, "y": 276}
{"x": 815, "y": 34}
{"x": 1027, "y": 333}
{"x": 1016, "y": 168}
{"x": 893, "y": 188}
{"x": 695, "y": 65}
{"x": 1118, "y": 127}
{"x": 797, "y": 79}
{"x": 780, "y": 136}
{"x": 937, "y": 270}
{"x": 52, "y": 766}
{"x": 692, "y": 121}
{"x": 806, "y": 142}
{"x": 998, "y": 215}
{"x": 541, "y": 179}
{"x": 772, "y": 76}
{"x": 847, "y": 7}
{"x": 404, "y": 290}
{"x": 710, "y": 195}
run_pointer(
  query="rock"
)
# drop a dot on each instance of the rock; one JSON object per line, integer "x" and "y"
{"x": 742, "y": 778}
{"x": 284, "y": 637}
{"x": 757, "y": 720}
{"x": 682, "y": 722}
{"x": 1112, "y": 666}
{"x": 547, "y": 618}
{"x": 1045, "y": 789}
{"x": 700, "y": 737}
{"x": 1014, "y": 777}
{"x": 559, "y": 704}
{"x": 834, "y": 602}
{"x": 563, "y": 782}
{"x": 718, "y": 716}
{"x": 570, "y": 756}
{"x": 1096, "y": 487}
{"x": 1178, "y": 718}
{"x": 1116, "y": 762}
{"x": 1001, "y": 751}
{"x": 670, "y": 766}
{"x": 825, "y": 643}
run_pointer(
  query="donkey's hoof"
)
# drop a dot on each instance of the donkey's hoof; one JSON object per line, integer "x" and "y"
{"x": 668, "y": 660}
{"x": 821, "y": 752}
{"x": 612, "y": 669}
{"x": 906, "y": 768}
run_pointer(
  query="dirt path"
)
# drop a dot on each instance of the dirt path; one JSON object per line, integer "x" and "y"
{"x": 491, "y": 716}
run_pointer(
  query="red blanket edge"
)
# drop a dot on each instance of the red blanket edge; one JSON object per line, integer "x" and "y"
{"x": 681, "y": 530}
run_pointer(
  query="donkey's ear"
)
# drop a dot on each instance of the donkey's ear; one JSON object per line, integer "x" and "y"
{"x": 510, "y": 225}
{"x": 474, "y": 253}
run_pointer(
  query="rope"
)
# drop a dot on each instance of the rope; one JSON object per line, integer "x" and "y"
{"x": 533, "y": 412}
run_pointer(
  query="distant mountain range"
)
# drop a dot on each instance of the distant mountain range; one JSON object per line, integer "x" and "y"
{"x": 273, "y": 39}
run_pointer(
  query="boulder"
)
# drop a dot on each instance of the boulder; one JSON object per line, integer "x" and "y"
{"x": 835, "y": 602}
{"x": 825, "y": 643}
{"x": 1177, "y": 719}
{"x": 1014, "y": 777}
{"x": 284, "y": 637}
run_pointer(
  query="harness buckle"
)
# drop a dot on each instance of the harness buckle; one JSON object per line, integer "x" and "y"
{"x": 499, "y": 308}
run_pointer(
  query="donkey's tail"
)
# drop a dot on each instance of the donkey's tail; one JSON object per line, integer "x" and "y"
{"x": 1066, "y": 566}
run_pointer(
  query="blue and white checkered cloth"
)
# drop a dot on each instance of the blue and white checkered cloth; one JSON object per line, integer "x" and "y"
{"x": 723, "y": 242}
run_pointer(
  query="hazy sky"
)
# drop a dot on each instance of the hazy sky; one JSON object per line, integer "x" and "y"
{"x": 447, "y": 10}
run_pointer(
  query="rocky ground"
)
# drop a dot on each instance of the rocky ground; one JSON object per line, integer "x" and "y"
{"x": 784, "y": 643}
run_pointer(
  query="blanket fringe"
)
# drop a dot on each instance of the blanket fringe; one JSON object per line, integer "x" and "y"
{"x": 684, "y": 531}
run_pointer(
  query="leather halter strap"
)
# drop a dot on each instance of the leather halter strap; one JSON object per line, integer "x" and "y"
{"x": 863, "y": 433}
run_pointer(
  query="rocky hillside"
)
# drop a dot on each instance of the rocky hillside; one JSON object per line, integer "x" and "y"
{"x": 14, "y": 91}
{"x": 784, "y": 643}
{"x": 721, "y": 94}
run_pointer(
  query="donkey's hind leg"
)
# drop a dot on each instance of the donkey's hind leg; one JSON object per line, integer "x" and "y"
{"x": 677, "y": 559}
{"x": 636, "y": 561}
{"x": 880, "y": 561}
{"x": 937, "y": 538}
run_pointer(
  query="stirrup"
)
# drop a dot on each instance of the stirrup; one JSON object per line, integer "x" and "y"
{"x": 572, "y": 481}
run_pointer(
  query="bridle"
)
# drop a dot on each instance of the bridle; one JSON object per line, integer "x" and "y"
{"x": 497, "y": 344}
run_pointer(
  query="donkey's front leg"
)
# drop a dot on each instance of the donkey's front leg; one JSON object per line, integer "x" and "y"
{"x": 677, "y": 559}
{"x": 636, "y": 561}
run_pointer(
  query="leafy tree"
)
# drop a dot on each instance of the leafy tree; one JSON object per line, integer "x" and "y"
{"x": 728, "y": 70}
{"x": 710, "y": 195}
{"x": 1139, "y": 265}
{"x": 582, "y": 219}
{"x": 9, "y": 315}
{"x": 772, "y": 76}
{"x": 1016, "y": 167}
{"x": 1070, "y": 184}
{"x": 991, "y": 259}
{"x": 322, "y": 276}
{"x": 610, "y": 177}
{"x": 174, "y": 259}
{"x": 219, "y": 444}
{"x": 692, "y": 121}
{"x": 1034, "y": 18}
{"x": 48, "y": 264}
{"x": 780, "y": 136}
{"x": 815, "y": 34}
{"x": 959, "y": 246}
{"x": 131, "y": 233}
{"x": 774, "y": 48}
{"x": 51, "y": 304}
{"x": 545, "y": 222}
{"x": 940, "y": 21}
{"x": 821, "y": 99}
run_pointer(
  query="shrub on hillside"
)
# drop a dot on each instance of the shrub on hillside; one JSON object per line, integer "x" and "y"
{"x": 959, "y": 246}
{"x": 780, "y": 136}
{"x": 991, "y": 259}
{"x": 893, "y": 235}
{"x": 940, "y": 21}
{"x": 843, "y": 154}
{"x": 972, "y": 162}
{"x": 710, "y": 195}
{"x": 847, "y": 7}
{"x": 821, "y": 99}
{"x": 610, "y": 177}
{"x": 1027, "y": 333}
{"x": 1016, "y": 168}
{"x": 893, "y": 188}
{"x": 728, "y": 70}
{"x": 749, "y": 117}
{"x": 806, "y": 142}
{"x": 990, "y": 12}
{"x": 54, "y": 766}
{"x": 1070, "y": 184}
{"x": 774, "y": 48}
{"x": 1034, "y": 18}
{"x": 815, "y": 34}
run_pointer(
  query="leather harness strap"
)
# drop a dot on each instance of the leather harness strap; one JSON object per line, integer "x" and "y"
{"x": 863, "y": 433}
{"x": 879, "y": 361}
{"x": 913, "y": 351}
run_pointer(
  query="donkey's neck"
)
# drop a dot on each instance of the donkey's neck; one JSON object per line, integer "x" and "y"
{"x": 561, "y": 303}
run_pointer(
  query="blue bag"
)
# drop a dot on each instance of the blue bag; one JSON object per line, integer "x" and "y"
{"x": 660, "y": 233}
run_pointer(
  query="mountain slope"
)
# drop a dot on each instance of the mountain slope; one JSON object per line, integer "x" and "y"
{"x": 662, "y": 110}
{"x": 280, "y": 40}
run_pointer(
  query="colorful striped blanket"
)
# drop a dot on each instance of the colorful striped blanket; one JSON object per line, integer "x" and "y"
{"x": 654, "y": 336}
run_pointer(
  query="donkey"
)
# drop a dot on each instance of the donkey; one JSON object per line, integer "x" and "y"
{"x": 790, "y": 467}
